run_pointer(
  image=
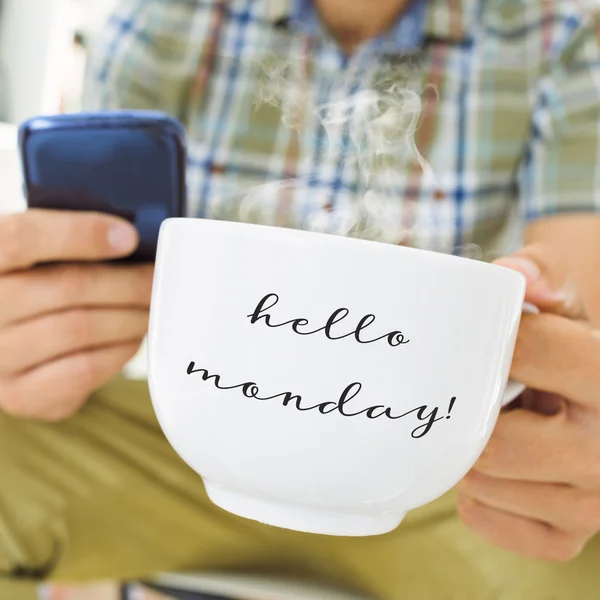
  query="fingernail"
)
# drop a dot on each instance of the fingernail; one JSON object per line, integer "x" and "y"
{"x": 545, "y": 292}
{"x": 122, "y": 237}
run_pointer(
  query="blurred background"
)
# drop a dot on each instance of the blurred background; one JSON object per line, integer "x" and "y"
{"x": 42, "y": 65}
{"x": 42, "y": 54}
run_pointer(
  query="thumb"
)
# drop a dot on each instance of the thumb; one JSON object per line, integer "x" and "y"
{"x": 549, "y": 286}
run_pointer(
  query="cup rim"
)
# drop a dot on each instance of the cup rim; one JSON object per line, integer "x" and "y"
{"x": 340, "y": 240}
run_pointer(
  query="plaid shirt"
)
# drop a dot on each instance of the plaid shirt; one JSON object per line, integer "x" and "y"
{"x": 509, "y": 123}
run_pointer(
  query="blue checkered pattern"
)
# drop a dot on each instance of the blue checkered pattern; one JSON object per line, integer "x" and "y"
{"x": 508, "y": 121}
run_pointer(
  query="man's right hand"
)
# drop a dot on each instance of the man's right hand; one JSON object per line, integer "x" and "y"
{"x": 68, "y": 321}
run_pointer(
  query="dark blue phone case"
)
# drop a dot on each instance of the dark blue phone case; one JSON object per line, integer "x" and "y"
{"x": 126, "y": 163}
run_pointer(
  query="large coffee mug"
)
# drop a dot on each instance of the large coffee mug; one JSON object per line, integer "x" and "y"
{"x": 321, "y": 383}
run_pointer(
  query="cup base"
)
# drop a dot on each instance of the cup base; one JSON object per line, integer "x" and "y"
{"x": 302, "y": 518}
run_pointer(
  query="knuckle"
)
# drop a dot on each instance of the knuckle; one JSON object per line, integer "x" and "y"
{"x": 527, "y": 342}
{"x": 72, "y": 281}
{"x": 471, "y": 482}
{"x": 142, "y": 283}
{"x": 13, "y": 286}
{"x": 16, "y": 404}
{"x": 565, "y": 550}
{"x": 60, "y": 412}
{"x": 77, "y": 326}
{"x": 85, "y": 372}
{"x": 13, "y": 409}
{"x": 520, "y": 353}
{"x": 588, "y": 513}
{"x": 586, "y": 472}
{"x": 592, "y": 473}
{"x": 465, "y": 507}
{"x": 13, "y": 234}
{"x": 493, "y": 454}
{"x": 573, "y": 301}
{"x": 11, "y": 402}
{"x": 5, "y": 347}
{"x": 147, "y": 276}
{"x": 552, "y": 263}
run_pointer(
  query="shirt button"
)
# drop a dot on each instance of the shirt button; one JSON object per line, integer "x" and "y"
{"x": 218, "y": 169}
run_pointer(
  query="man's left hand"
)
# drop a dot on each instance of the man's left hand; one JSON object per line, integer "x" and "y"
{"x": 536, "y": 488}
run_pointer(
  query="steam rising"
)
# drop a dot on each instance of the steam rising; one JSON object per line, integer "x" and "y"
{"x": 368, "y": 122}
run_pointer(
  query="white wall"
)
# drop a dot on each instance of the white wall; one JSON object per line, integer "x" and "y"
{"x": 94, "y": 13}
{"x": 11, "y": 197}
{"x": 34, "y": 38}
{"x": 35, "y": 42}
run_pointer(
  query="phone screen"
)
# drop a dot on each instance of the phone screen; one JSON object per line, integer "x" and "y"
{"x": 123, "y": 164}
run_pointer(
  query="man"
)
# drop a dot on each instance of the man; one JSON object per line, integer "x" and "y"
{"x": 91, "y": 490}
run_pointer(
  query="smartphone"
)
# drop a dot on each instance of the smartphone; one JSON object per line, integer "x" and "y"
{"x": 126, "y": 163}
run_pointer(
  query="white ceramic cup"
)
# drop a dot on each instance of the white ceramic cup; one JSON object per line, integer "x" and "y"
{"x": 321, "y": 383}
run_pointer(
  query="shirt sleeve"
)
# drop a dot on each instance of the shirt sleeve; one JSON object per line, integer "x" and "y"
{"x": 147, "y": 56}
{"x": 561, "y": 170}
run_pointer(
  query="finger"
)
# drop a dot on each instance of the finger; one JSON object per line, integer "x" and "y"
{"x": 561, "y": 506}
{"x": 526, "y": 446}
{"x": 518, "y": 534}
{"x": 57, "y": 390}
{"x": 542, "y": 403}
{"x": 548, "y": 284}
{"x": 554, "y": 354}
{"x": 38, "y": 236}
{"x": 30, "y": 344}
{"x": 53, "y": 288}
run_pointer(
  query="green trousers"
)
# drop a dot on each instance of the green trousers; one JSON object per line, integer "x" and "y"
{"x": 103, "y": 495}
